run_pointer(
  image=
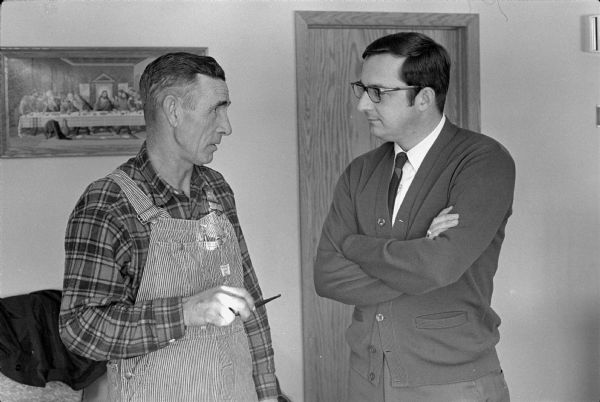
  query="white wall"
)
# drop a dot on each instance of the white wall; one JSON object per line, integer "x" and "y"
{"x": 538, "y": 97}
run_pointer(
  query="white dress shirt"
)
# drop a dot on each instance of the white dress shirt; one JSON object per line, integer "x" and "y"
{"x": 415, "y": 157}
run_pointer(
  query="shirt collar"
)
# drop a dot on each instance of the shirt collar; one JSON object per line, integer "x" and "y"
{"x": 161, "y": 191}
{"x": 417, "y": 153}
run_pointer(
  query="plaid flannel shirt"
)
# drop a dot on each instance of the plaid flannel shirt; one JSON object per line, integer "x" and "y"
{"x": 106, "y": 249}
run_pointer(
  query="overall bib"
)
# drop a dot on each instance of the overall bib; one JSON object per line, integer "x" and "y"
{"x": 186, "y": 257}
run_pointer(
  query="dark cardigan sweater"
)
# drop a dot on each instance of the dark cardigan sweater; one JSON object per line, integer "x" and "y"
{"x": 424, "y": 303}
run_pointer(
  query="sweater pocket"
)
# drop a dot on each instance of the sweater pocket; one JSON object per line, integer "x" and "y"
{"x": 448, "y": 319}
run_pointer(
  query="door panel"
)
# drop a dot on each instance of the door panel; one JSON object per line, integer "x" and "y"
{"x": 332, "y": 132}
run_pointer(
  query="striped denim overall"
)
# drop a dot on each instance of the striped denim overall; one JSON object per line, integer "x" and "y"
{"x": 186, "y": 257}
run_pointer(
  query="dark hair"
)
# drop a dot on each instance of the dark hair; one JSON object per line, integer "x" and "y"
{"x": 427, "y": 63}
{"x": 174, "y": 71}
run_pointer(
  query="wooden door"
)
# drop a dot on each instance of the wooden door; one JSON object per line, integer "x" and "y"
{"x": 332, "y": 132}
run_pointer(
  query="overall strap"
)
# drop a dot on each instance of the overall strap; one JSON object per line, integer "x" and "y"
{"x": 140, "y": 201}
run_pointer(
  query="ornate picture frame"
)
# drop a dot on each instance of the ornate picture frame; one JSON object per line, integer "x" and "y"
{"x": 73, "y": 101}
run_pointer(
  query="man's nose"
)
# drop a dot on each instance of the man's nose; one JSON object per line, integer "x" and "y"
{"x": 225, "y": 126}
{"x": 364, "y": 103}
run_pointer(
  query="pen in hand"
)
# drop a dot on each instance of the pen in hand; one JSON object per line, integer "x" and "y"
{"x": 260, "y": 303}
{"x": 265, "y": 301}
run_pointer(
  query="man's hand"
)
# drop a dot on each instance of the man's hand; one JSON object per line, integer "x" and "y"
{"x": 217, "y": 306}
{"x": 442, "y": 222}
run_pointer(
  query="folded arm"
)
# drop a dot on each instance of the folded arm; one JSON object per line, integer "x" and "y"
{"x": 481, "y": 193}
{"x": 335, "y": 276}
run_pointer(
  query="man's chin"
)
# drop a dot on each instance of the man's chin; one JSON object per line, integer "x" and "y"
{"x": 204, "y": 159}
{"x": 378, "y": 134}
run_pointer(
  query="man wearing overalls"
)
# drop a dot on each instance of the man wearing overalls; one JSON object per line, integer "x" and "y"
{"x": 158, "y": 280}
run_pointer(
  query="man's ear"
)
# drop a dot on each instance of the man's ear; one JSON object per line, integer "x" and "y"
{"x": 170, "y": 107}
{"x": 425, "y": 99}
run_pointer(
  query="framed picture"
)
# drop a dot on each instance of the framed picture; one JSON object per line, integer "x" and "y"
{"x": 73, "y": 101}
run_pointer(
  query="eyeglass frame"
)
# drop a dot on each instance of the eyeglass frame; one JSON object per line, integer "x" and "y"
{"x": 379, "y": 90}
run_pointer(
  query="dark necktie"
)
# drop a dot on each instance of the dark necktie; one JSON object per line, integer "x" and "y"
{"x": 401, "y": 158}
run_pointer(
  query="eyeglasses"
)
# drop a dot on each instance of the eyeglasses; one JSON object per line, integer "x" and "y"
{"x": 374, "y": 93}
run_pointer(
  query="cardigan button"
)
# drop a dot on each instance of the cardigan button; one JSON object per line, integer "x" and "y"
{"x": 372, "y": 349}
{"x": 372, "y": 376}
{"x": 381, "y": 222}
{"x": 379, "y": 317}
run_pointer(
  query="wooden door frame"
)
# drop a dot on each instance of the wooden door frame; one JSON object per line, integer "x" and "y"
{"x": 467, "y": 26}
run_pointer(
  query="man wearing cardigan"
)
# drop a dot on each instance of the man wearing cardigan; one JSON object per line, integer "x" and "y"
{"x": 420, "y": 277}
